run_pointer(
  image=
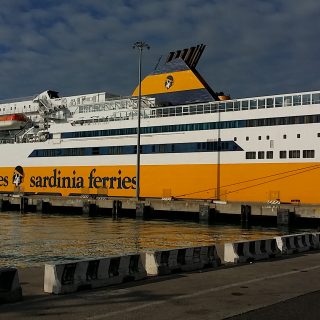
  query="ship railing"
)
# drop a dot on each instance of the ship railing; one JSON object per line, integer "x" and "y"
{"x": 19, "y": 135}
{"x": 117, "y": 105}
{"x": 287, "y": 100}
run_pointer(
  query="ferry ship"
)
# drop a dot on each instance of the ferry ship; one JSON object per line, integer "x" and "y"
{"x": 196, "y": 143}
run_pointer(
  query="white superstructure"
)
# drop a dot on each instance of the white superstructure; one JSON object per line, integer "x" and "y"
{"x": 255, "y": 149}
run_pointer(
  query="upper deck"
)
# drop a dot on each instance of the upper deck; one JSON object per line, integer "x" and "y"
{"x": 94, "y": 113}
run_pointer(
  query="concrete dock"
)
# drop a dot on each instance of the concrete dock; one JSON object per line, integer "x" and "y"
{"x": 205, "y": 211}
{"x": 285, "y": 288}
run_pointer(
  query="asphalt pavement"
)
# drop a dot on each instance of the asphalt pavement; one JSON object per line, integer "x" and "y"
{"x": 285, "y": 288}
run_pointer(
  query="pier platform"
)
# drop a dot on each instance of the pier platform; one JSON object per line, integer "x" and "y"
{"x": 204, "y": 211}
{"x": 285, "y": 288}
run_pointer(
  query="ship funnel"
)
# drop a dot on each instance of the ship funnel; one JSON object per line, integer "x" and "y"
{"x": 176, "y": 81}
{"x": 190, "y": 56}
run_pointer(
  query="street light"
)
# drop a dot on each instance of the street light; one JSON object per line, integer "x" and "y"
{"x": 140, "y": 45}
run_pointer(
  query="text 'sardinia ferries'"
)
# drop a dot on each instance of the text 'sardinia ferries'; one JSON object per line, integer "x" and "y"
{"x": 195, "y": 142}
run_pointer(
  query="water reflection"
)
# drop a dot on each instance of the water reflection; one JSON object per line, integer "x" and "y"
{"x": 33, "y": 239}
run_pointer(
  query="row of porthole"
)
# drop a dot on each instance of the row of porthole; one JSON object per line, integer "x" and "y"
{"x": 293, "y": 154}
{"x": 15, "y": 108}
{"x": 268, "y": 137}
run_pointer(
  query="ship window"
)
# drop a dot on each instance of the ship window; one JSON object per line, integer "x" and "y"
{"x": 193, "y": 110}
{"x": 222, "y": 107}
{"x": 288, "y": 101}
{"x": 270, "y": 102}
{"x": 259, "y": 138}
{"x": 53, "y": 94}
{"x": 229, "y": 106}
{"x": 235, "y": 139}
{"x": 260, "y": 154}
{"x": 214, "y": 107}
{"x": 250, "y": 155}
{"x": 200, "y": 109}
{"x": 185, "y": 109}
{"x": 236, "y": 105}
{"x": 306, "y": 99}
{"x": 162, "y": 148}
{"x": 316, "y": 98}
{"x": 284, "y": 136}
{"x": 269, "y": 154}
{"x": 279, "y": 101}
{"x": 298, "y": 136}
{"x": 247, "y": 138}
{"x": 267, "y": 137}
{"x": 178, "y": 111}
{"x": 253, "y": 104}
{"x": 261, "y": 103}
{"x": 244, "y": 105}
{"x": 207, "y": 108}
{"x": 297, "y": 100}
{"x": 294, "y": 154}
{"x": 95, "y": 151}
{"x": 318, "y": 134}
{"x": 308, "y": 153}
{"x": 283, "y": 154}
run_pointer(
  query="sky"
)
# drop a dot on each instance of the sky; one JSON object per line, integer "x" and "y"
{"x": 254, "y": 47}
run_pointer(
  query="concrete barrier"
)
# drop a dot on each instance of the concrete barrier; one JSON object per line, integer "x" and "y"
{"x": 70, "y": 277}
{"x": 316, "y": 240}
{"x": 311, "y": 240}
{"x": 10, "y": 288}
{"x": 163, "y": 262}
{"x": 296, "y": 243}
{"x": 247, "y": 251}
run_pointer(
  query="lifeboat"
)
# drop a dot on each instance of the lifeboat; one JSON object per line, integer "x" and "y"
{"x": 223, "y": 97}
{"x": 13, "y": 121}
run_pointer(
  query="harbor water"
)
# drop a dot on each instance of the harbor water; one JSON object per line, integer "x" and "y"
{"x": 28, "y": 240}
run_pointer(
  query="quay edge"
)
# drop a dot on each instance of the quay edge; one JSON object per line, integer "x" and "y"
{"x": 281, "y": 213}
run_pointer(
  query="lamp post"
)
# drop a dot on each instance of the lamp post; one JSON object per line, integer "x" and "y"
{"x": 140, "y": 45}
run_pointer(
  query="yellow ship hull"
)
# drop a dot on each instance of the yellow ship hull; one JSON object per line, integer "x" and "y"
{"x": 230, "y": 182}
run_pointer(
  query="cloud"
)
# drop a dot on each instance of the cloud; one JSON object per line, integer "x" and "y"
{"x": 253, "y": 47}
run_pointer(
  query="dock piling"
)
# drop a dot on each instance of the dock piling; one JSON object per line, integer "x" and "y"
{"x": 204, "y": 213}
{"x": 116, "y": 208}
{"x": 284, "y": 217}
{"x": 245, "y": 214}
{"x": 140, "y": 210}
{"x": 23, "y": 204}
{"x": 86, "y": 208}
{"x": 39, "y": 206}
